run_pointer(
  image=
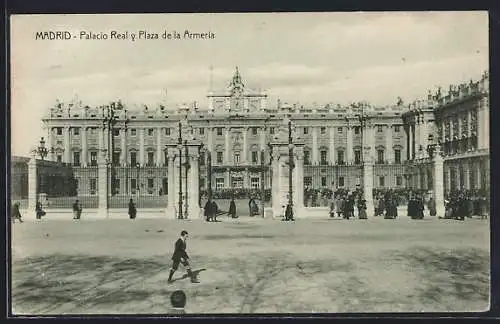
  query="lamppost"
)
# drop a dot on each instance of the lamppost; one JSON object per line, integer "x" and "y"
{"x": 186, "y": 169}
{"x": 109, "y": 121}
{"x": 42, "y": 151}
{"x": 262, "y": 183}
{"x": 180, "y": 145}
{"x": 291, "y": 164}
{"x": 125, "y": 129}
{"x": 138, "y": 168}
{"x": 362, "y": 118}
{"x": 262, "y": 174}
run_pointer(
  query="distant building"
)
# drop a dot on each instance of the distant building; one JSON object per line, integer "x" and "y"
{"x": 235, "y": 126}
{"x": 459, "y": 123}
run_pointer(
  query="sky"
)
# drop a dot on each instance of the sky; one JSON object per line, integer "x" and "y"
{"x": 296, "y": 57}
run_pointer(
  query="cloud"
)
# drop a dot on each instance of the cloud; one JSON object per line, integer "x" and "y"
{"x": 306, "y": 57}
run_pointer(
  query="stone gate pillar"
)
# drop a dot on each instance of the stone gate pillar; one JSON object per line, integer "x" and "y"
{"x": 298, "y": 191}
{"x": 439, "y": 183}
{"x": 275, "y": 183}
{"x": 102, "y": 185}
{"x": 194, "y": 210}
{"x": 176, "y": 172}
{"x": 368, "y": 183}
{"x": 32, "y": 184}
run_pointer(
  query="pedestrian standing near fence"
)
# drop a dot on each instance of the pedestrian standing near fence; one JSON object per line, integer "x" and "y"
{"x": 16, "y": 214}
{"x": 132, "y": 210}
{"x": 39, "y": 210}
{"x": 77, "y": 210}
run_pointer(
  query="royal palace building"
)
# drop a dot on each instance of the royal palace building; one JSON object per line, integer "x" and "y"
{"x": 236, "y": 124}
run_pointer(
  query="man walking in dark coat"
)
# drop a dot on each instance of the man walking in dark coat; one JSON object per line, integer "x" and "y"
{"x": 132, "y": 211}
{"x": 180, "y": 256}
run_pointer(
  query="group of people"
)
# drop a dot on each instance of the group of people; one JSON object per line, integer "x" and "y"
{"x": 386, "y": 204}
{"x": 343, "y": 202}
{"x": 466, "y": 203}
{"x": 211, "y": 210}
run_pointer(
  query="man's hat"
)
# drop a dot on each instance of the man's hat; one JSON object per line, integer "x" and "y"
{"x": 178, "y": 299}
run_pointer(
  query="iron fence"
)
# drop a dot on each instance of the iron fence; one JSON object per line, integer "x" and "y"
{"x": 19, "y": 185}
{"x": 147, "y": 186}
{"x": 59, "y": 186}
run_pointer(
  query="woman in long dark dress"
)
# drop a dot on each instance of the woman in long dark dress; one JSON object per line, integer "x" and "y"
{"x": 432, "y": 207}
{"x": 232, "y": 209}
{"x": 362, "y": 209}
{"x": 132, "y": 211}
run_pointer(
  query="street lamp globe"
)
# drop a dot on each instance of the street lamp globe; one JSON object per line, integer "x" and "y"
{"x": 291, "y": 146}
{"x": 179, "y": 146}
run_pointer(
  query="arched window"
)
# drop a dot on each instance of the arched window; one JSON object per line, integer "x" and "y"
{"x": 307, "y": 156}
{"x": 380, "y": 154}
{"x": 323, "y": 155}
{"x": 397, "y": 153}
{"x": 340, "y": 156}
{"x": 357, "y": 155}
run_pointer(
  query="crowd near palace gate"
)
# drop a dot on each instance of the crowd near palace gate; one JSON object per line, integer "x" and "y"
{"x": 238, "y": 145}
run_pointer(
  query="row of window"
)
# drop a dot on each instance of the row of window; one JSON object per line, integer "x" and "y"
{"x": 341, "y": 181}
{"x": 236, "y": 182}
{"x": 357, "y": 157}
{"x": 219, "y": 130}
{"x": 237, "y": 157}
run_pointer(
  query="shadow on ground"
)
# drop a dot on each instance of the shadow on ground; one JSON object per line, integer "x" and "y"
{"x": 412, "y": 280}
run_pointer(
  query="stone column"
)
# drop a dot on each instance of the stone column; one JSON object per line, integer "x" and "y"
{"x": 262, "y": 139}
{"x": 413, "y": 143}
{"x": 349, "y": 148}
{"x": 486, "y": 122}
{"x": 298, "y": 193}
{"x": 141, "y": 146}
{"x": 67, "y": 149}
{"x": 84, "y": 147}
{"x": 314, "y": 145}
{"x": 439, "y": 184}
{"x": 102, "y": 185}
{"x": 371, "y": 141}
{"x": 227, "y": 156}
{"x": 171, "y": 181}
{"x": 389, "y": 156}
{"x": 368, "y": 186}
{"x": 194, "y": 211}
{"x": 102, "y": 143}
{"x": 448, "y": 178}
{"x": 332, "y": 144}
{"x": 50, "y": 141}
{"x": 245, "y": 146}
{"x": 408, "y": 143}
{"x": 123, "y": 142}
{"x": 32, "y": 185}
{"x": 159, "y": 146}
{"x": 210, "y": 140}
{"x": 466, "y": 166}
{"x": 228, "y": 178}
{"x": 418, "y": 129}
{"x": 479, "y": 184}
{"x": 276, "y": 201}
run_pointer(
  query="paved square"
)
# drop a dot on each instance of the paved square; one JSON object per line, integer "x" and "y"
{"x": 251, "y": 266}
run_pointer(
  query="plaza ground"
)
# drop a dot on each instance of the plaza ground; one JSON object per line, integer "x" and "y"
{"x": 251, "y": 265}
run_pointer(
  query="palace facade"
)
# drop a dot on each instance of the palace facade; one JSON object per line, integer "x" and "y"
{"x": 236, "y": 124}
